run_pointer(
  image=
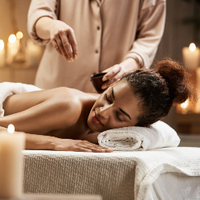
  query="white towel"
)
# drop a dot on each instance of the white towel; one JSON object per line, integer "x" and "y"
{"x": 9, "y": 88}
{"x": 158, "y": 135}
{"x": 119, "y": 175}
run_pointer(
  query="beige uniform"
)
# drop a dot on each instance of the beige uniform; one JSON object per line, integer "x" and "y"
{"x": 107, "y": 32}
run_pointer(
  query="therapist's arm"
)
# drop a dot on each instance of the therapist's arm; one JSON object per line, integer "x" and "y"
{"x": 61, "y": 35}
{"x": 150, "y": 29}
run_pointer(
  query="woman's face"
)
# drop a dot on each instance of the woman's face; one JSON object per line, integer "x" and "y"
{"x": 116, "y": 107}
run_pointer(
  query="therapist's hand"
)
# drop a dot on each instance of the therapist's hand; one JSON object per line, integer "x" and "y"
{"x": 63, "y": 39}
{"x": 118, "y": 71}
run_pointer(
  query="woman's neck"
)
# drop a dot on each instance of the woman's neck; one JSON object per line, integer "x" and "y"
{"x": 87, "y": 106}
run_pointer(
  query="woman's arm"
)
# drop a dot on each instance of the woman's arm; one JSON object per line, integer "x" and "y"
{"x": 42, "y": 111}
{"x": 41, "y": 142}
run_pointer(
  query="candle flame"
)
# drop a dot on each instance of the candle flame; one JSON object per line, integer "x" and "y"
{"x": 184, "y": 105}
{"x": 192, "y": 47}
{"x": 19, "y": 35}
{"x": 11, "y": 128}
{"x": 1, "y": 45}
{"x": 12, "y": 38}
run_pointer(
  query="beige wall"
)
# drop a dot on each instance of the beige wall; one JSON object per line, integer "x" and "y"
{"x": 176, "y": 35}
{"x": 10, "y": 9}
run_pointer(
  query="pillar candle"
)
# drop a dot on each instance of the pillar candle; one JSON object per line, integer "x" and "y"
{"x": 184, "y": 107}
{"x": 12, "y": 48}
{"x": 11, "y": 163}
{"x": 2, "y": 54}
{"x": 191, "y": 56}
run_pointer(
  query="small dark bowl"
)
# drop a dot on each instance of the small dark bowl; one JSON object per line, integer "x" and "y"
{"x": 97, "y": 81}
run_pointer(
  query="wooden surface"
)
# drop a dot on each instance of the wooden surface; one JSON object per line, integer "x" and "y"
{"x": 22, "y": 75}
{"x": 188, "y": 123}
{"x": 189, "y": 140}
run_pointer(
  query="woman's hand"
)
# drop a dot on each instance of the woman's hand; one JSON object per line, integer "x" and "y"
{"x": 116, "y": 72}
{"x": 78, "y": 145}
{"x": 63, "y": 39}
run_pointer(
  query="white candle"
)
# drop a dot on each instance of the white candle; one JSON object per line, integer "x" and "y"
{"x": 2, "y": 54}
{"x": 184, "y": 107}
{"x": 12, "y": 48}
{"x": 191, "y": 57}
{"x": 19, "y": 35}
{"x": 11, "y": 163}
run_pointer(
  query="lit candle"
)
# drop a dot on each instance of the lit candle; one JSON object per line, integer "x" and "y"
{"x": 184, "y": 107}
{"x": 12, "y": 48}
{"x": 11, "y": 163}
{"x": 2, "y": 54}
{"x": 191, "y": 57}
{"x": 19, "y": 35}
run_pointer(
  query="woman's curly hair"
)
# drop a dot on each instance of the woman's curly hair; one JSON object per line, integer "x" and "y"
{"x": 159, "y": 89}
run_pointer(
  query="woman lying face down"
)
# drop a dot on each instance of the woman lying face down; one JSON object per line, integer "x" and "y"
{"x": 68, "y": 119}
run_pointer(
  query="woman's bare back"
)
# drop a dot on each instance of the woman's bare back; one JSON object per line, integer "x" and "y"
{"x": 60, "y": 112}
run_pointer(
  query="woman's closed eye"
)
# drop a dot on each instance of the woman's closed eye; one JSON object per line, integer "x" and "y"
{"x": 108, "y": 99}
{"x": 118, "y": 118}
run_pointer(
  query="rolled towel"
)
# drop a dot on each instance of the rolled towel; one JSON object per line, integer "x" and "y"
{"x": 158, "y": 135}
{"x": 9, "y": 88}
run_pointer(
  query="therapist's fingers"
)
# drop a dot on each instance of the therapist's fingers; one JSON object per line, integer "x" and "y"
{"x": 114, "y": 73}
{"x": 66, "y": 46}
{"x": 111, "y": 72}
{"x": 72, "y": 41}
{"x": 63, "y": 39}
{"x": 69, "y": 44}
{"x": 114, "y": 79}
{"x": 58, "y": 45}
{"x": 54, "y": 43}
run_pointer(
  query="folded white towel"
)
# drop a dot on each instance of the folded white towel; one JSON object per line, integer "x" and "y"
{"x": 158, "y": 135}
{"x": 9, "y": 88}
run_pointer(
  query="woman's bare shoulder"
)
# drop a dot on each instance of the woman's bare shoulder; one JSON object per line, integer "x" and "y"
{"x": 72, "y": 102}
{"x": 77, "y": 96}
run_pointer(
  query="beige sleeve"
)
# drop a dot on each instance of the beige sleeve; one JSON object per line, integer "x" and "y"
{"x": 150, "y": 29}
{"x": 38, "y": 9}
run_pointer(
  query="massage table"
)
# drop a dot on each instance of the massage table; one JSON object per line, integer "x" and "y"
{"x": 166, "y": 173}
{"x": 147, "y": 172}
{"x": 157, "y": 173}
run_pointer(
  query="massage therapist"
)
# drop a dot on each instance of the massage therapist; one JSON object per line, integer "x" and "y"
{"x": 91, "y": 36}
